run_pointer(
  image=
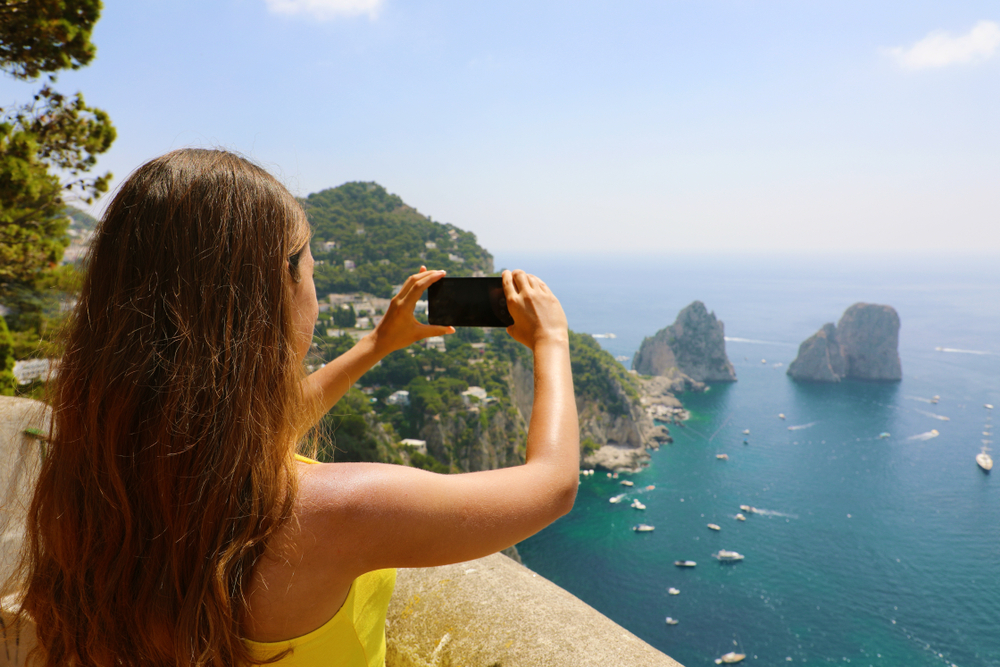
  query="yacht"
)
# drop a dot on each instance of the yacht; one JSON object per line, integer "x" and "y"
{"x": 781, "y": 415}
{"x": 637, "y": 505}
{"x": 626, "y": 482}
{"x": 984, "y": 460}
{"x": 714, "y": 526}
{"x": 673, "y": 591}
{"x": 740, "y": 517}
{"x": 685, "y": 563}
{"x": 642, "y": 528}
{"x": 672, "y": 621}
{"x": 722, "y": 457}
{"x": 616, "y": 499}
{"x": 730, "y": 658}
{"x": 728, "y": 556}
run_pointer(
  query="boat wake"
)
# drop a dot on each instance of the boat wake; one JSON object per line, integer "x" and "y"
{"x": 731, "y": 339}
{"x": 919, "y": 398}
{"x": 802, "y": 426}
{"x": 958, "y": 351}
{"x": 783, "y": 515}
{"x": 925, "y": 436}
{"x": 931, "y": 414}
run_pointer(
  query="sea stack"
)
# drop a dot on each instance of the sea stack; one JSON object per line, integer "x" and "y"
{"x": 694, "y": 344}
{"x": 864, "y": 345}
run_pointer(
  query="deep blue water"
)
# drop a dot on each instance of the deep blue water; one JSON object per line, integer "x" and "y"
{"x": 867, "y": 551}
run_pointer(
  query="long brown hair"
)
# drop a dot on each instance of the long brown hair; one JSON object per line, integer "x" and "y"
{"x": 170, "y": 462}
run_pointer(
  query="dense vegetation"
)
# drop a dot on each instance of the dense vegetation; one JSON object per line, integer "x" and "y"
{"x": 435, "y": 381}
{"x": 48, "y": 144}
{"x": 598, "y": 378}
{"x": 47, "y": 147}
{"x": 385, "y": 239}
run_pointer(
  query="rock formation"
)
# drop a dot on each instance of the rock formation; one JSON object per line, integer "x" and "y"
{"x": 862, "y": 346}
{"x": 693, "y": 345}
{"x": 622, "y": 438}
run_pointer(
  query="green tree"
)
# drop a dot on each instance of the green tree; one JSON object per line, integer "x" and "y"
{"x": 40, "y": 36}
{"x": 7, "y": 383}
{"x": 49, "y": 144}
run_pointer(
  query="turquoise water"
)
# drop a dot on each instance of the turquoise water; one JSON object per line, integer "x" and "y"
{"x": 865, "y": 551}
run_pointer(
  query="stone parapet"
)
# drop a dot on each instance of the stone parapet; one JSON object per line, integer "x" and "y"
{"x": 494, "y": 612}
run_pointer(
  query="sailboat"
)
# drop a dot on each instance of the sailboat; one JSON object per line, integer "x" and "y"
{"x": 983, "y": 459}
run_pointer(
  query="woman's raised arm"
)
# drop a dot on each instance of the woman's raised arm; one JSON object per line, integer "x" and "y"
{"x": 322, "y": 389}
{"x": 368, "y": 516}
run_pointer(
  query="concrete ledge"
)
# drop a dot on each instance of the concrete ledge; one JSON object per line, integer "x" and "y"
{"x": 493, "y": 612}
{"x": 20, "y": 458}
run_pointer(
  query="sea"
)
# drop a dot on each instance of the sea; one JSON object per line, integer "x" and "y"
{"x": 875, "y": 538}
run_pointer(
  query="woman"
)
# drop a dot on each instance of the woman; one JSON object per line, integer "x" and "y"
{"x": 173, "y": 523}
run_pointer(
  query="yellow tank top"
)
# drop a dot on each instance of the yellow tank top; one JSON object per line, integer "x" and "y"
{"x": 354, "y": 637}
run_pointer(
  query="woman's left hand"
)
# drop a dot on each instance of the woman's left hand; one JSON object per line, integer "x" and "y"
{"x": 399, "y": 327}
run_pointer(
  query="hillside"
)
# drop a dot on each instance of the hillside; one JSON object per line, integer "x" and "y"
{"x": 385, "y": 239}
{"x": 464, "y": 429}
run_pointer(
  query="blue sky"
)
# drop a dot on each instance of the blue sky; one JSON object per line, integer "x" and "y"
{"x": 633, "y": 126}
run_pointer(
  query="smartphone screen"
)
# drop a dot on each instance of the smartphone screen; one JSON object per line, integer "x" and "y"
{"x": 468, "y": 302}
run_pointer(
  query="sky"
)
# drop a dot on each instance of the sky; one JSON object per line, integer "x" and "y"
{"x": 739, "y": 126}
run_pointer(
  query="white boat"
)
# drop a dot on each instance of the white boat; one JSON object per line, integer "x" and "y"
{"x": 722, "y": 457}
{"x": 728, "y": 556}
{"x": 642, "y": 528}
{"x": 714, "y": 526}
{"x": 637, "y": 505}
{"x": 685, "y": 563}
{"x": 730, "y": 658}
{"x": 740, "y": 517}
{"x": 746, "y": 431}
{"x": 745, "y": 508}
{"x": 672, "y": 621}
{"x": 616, "y": 499}
{"x": 673, "y": 591}
{"x": 626, "y": 482}
{"x": 781, "y": 415}
{"x": 984, "y": 460}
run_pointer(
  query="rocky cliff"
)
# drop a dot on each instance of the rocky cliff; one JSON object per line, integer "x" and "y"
{"x": 862, "y": 346}
{"x": 615, "y": 408}
{"x": 693, "y": 345}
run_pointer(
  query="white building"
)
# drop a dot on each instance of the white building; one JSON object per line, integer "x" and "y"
{"x": 456, "y": 258}
{"x": 436, "y": 343}
{"x": 329, "y": 245}
{"x": 430, "y": 245}
{"x": 349, "y": 264}
{"x": 401, "y": 397}
{"x": 29, "y": 370}
{"x": 419, "y": 445}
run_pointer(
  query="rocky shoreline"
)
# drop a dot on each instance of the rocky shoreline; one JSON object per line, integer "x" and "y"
{"x": 629, "y": 439}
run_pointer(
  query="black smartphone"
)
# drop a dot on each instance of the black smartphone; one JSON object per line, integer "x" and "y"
{"x": 468, "y": 302}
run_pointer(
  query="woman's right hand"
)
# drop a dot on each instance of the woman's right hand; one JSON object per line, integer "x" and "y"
{"x": 537, "y": 314}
